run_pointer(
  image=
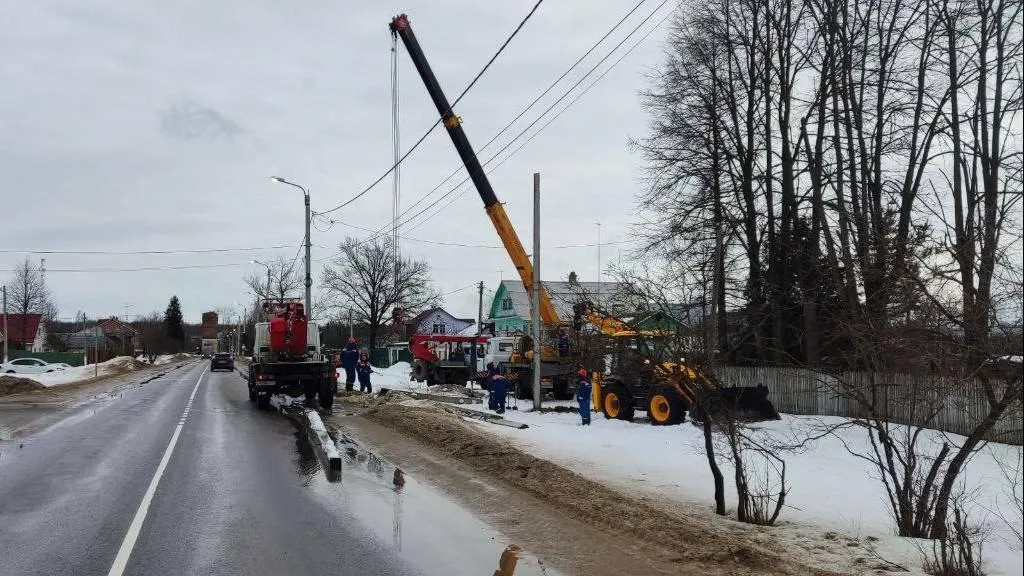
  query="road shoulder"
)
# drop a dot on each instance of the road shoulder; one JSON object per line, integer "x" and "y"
{"x": 25, "y": 412}
{"x": 578, "y": 525}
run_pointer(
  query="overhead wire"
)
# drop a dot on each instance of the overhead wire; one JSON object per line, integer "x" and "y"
{"x": 146, "y": 252}
{"x": 529, "y": 106}
{"x": 441, "y": 208}
{"x": 438, "y": 121}
{"x": 377, "y": 233}
{"x": 491, "y": 246}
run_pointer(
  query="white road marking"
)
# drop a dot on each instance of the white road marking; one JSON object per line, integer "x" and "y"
{"x": 128, "y": 544}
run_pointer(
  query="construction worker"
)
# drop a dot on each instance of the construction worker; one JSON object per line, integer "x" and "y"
{"x": 349, "y": 360}
{"x": 498, "y": 388}
{"x": 363, "y": 370}
{"x": 583, "y": 396}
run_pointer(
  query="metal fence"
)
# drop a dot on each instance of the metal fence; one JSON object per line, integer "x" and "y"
{"x": 945, "y": 403}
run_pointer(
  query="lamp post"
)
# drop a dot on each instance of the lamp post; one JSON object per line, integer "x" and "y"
{"x": 309, "y": 278}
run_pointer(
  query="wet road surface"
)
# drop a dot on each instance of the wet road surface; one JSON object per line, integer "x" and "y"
{"x": 184, "y": 476}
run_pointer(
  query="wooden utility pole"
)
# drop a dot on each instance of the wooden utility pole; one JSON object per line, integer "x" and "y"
{"x": 535, "y": 296}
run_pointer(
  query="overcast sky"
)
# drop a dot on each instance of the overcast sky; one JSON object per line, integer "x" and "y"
{"x": 155, "y": 126}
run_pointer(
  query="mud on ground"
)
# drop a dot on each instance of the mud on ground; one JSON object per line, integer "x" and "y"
{"x": 699, "y": 546}
{"x": 15, "y": 385}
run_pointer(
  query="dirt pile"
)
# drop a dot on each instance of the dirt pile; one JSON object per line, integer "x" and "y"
{"x": 13, "y": 385}
{"x": 699, "y": 545}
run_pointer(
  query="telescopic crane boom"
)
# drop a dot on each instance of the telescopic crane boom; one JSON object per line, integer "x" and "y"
{"x": 453, "y": 124}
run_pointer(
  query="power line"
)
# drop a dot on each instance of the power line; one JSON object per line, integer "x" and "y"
{"x": 491, "y": 246}
{"x": 438, "y": 121}
{"x": 378, "y": 233}
{"x": 142, "y": 252}
{"x": 545, "y": 112}
{"x": 526, "y": 109}
{"x": 146, "y": 268}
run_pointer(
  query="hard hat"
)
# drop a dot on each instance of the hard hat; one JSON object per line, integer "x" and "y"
{"x": 351, "y": 340}
{"x": 582, "y": 372}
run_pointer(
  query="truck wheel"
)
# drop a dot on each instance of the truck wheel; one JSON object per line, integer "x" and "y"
{"x": 326, "y": 395}
{"x": 263, "y": 402}
{"x": 665, "y": 407}
{"x": 560, "y": 389}
{"x": 524, "y": 386}
{"x": 617, "y": 402}
{"x": 253, "y": 394}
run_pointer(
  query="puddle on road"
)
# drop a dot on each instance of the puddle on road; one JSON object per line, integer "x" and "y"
{"x": 306, "y": 462}
{"x": 431, "y": 532}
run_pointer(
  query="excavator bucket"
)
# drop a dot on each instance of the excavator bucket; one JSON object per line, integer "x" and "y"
{"x": 748, "y": 403}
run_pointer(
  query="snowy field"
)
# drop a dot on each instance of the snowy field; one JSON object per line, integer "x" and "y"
{"x": 114, "y": 366}
{"x": 831, "y": 490}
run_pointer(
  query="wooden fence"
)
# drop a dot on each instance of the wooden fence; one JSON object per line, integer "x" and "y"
{"x": 940, "y": 402}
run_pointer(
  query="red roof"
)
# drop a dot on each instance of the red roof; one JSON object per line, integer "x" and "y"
{"x": 113, "y": 326}
{"x": 22, "y": 328}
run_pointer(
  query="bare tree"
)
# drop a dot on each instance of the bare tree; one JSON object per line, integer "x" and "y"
{"x": 28, "y": 293}
{"x": 281, "y": 280}
{"x": 365, "y": 278}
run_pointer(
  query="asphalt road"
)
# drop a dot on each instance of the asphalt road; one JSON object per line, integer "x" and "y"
{"x": 184, "y": 476}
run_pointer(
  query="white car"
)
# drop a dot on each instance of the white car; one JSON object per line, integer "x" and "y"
{"x": 28, "y": 366}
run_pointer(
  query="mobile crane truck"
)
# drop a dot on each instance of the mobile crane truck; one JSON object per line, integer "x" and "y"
{"x": 287, "y": 358}
{"x": 668, "y": 394}
{"x": 556, "y": 372}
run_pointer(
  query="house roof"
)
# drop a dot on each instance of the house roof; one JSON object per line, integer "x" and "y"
{"x": 416, "y": 320}
{"x": 112, "y": 326}
{"x": 23, "y": 327}
{"x": 563, "y": 295}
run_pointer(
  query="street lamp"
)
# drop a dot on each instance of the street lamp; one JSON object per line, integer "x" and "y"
{"x": 309, "y": 278}
{"x": 267, "y": 266}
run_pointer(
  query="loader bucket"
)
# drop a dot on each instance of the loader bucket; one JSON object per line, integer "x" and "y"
{"x": 750, "y": 403}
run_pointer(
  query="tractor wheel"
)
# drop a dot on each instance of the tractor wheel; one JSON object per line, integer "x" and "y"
{"x": 326, "y": 394}
{"x": 617, "y": 402}
{"x": 665, "y": 407}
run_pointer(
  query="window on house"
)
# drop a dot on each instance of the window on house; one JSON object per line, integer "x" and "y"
{"x": 506, "y": 304}
{"x": 439, "y": 329}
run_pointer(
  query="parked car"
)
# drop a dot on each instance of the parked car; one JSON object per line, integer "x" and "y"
{"x": 29, "y": 366}
{"x": 62, "y": 365}
{"x": 222, "y": 361}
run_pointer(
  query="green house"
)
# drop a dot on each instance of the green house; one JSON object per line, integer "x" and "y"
{"x": 510, "y": 308}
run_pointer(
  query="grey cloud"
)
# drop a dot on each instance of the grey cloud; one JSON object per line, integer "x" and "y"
{"x": 188, "y": 120}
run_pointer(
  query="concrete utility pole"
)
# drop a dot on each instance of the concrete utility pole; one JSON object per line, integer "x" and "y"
{"x": 598, "y": 264}
{"x": 351, "y": 330}
{"x": 309, "y": 277}
{"x": 480, "y": 310}
{"x": 5, "y": 323}
{"x": 535, "y": 296}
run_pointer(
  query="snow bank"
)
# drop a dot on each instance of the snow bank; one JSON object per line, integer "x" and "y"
{"x": 114, "y": 366}
{"x": 831, "y": 490}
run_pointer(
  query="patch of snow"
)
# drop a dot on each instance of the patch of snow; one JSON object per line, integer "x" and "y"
{"x": 831, "y": 490}
{"x": 118, "y": 365}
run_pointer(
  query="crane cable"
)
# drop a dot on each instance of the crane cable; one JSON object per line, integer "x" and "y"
{"x": 396, "y": 176}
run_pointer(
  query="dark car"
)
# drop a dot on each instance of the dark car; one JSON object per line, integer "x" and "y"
{"x": 222, "y": 361}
